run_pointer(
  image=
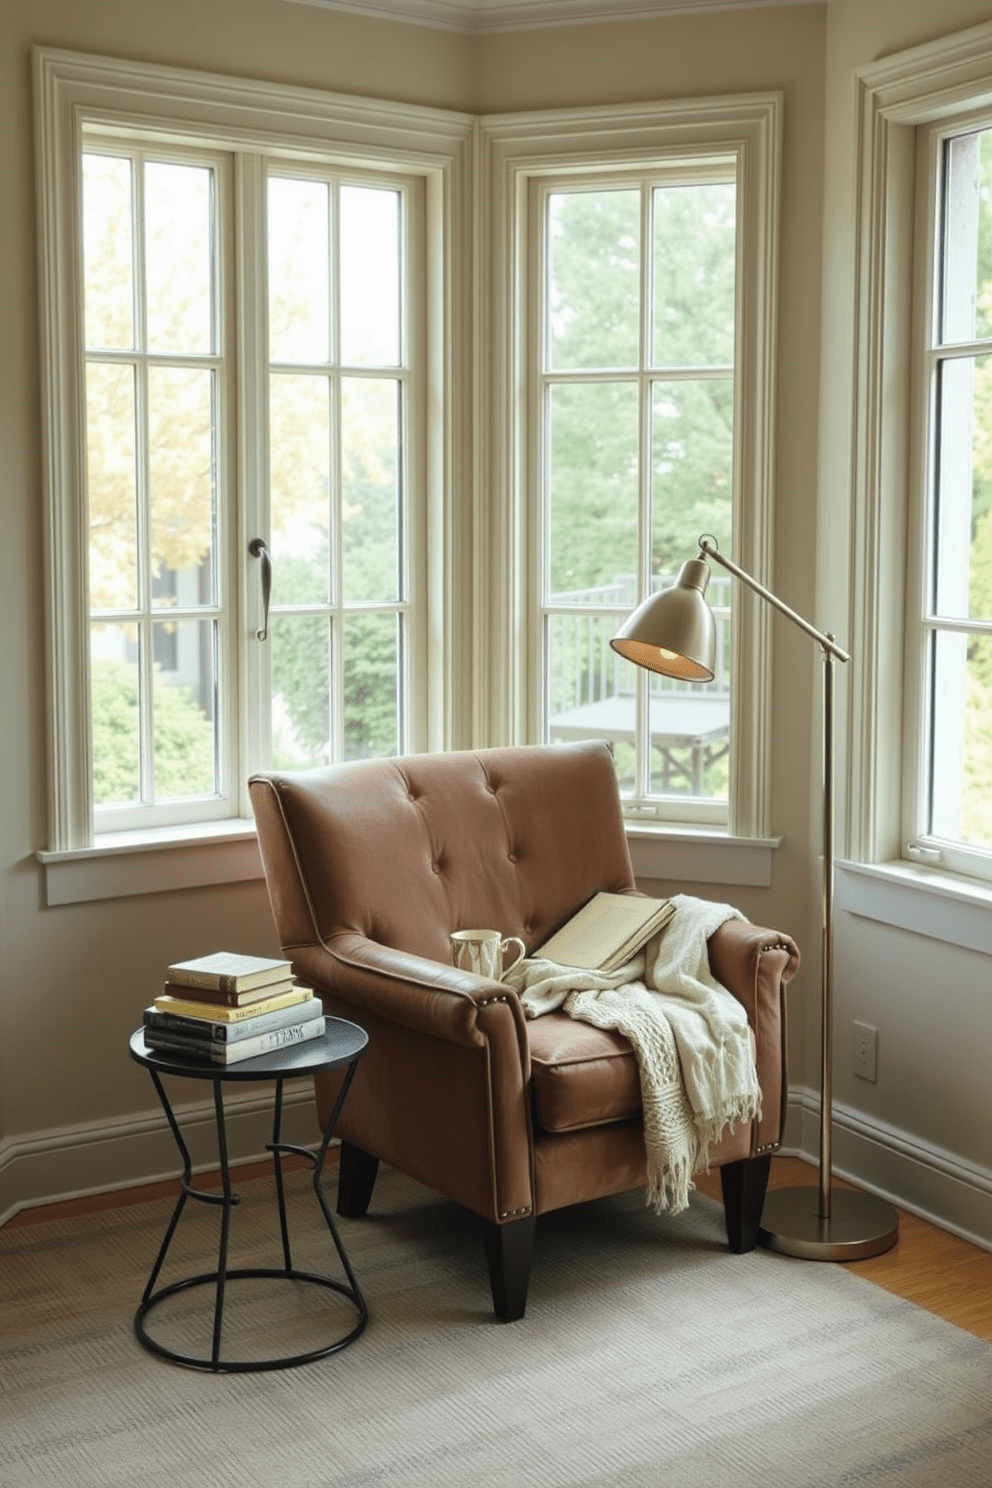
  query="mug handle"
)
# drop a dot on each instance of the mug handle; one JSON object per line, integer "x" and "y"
{"x": 512, "y": 940}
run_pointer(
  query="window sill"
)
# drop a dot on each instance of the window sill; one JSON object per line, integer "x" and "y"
{"x": 940, "y": 905}
{"x": 700, "y": 856}
{"x": 126, "y": 863}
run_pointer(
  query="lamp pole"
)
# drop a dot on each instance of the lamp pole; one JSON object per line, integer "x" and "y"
{"x": 673, "y": 633}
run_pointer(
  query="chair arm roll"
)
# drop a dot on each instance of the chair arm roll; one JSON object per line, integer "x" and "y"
{"x": 755, "y": 964}
{"x": 411, "y": 990}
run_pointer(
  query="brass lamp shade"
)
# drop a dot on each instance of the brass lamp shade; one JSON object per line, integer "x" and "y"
{"x": 674, "y": 632}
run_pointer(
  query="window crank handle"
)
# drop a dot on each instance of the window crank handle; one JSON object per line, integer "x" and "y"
{"x": 258, "y": 549}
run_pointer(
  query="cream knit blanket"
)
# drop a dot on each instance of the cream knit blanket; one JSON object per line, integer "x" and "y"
{"x": 689, "y": 1035}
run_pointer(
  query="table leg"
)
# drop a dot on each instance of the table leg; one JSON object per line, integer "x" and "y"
{"x": 317, "y": 1159}
{"x": 318, "y": 1174}
{"x": 276, "y": 1147}
{"x": 225, "y": 1222}
{"x": 227, "y": 1199}
{"x": 185, "y": 1187}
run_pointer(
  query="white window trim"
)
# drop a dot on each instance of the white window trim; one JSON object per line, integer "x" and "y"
{"x": 937, "y": 82}
{"x": 72, "y": 91}
{"x": 513, "y": 149}
{"x": 475, "y": 592}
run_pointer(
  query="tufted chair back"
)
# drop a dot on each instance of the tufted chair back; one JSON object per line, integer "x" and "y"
{"x": 403, "y": 851}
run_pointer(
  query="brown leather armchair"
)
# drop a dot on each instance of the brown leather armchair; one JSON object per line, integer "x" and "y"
{"x": 369, "y": 867}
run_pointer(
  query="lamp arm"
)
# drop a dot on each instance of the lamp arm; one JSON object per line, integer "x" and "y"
{"x": 827, "y": 642}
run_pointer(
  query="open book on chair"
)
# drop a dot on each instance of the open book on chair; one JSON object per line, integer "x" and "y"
{"x": 607, "y": 931}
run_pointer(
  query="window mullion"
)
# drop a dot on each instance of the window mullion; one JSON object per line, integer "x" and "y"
{"x": 251, "y": 657}
{"x": 642, "y": 752}
{"x": 336, "y": 613}
{"x": 146, "y": 627}
{"x": 142, "y": 494}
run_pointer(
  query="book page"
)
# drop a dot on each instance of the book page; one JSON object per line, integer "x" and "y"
{"x": 603, "y": 926}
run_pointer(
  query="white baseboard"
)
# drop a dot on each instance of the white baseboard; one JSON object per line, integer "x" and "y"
{"x": 50, "y": 1166}
{"x": 926, "y": 1180}
{"x": 98, "y": 1157}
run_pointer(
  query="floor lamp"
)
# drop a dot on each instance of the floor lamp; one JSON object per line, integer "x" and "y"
{"x": 674, "y": 633}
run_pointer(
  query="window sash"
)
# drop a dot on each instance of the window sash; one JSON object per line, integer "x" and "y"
{"x": 661, "y": 777}
{"x": 939, "y": 627}
{"x": 518, "y": 155}
{"x": 340, "y": 612}
{"x": 161, "y": 797}
{"x": 81, "y": 99}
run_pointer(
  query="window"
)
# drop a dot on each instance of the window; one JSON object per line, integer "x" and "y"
{"x": 341, "y": 446}
{"x": 633, "y": 257}
{"x": 953, "y": 816}
{"x": 156, "y": 387}
{"x": 280, "y": 343}
{"x": 636, "y": 448}
{"x": 161, "y": 498}
{"x": 249, "y": 401}
{"x": 918, "y": 774}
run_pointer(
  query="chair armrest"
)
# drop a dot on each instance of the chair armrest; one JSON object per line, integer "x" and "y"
{"x": 755, "y": 964}
{"x": 425, "y": 995}
{"x": 452, "y": 1051}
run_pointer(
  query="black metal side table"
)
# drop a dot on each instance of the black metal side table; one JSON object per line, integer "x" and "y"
{"x": 342, "y": 1045}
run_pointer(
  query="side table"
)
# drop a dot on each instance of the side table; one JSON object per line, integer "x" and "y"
{"x": 342, "y": 1045}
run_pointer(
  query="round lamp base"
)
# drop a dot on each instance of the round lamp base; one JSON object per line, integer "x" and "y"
{"x": 860, "y": 1225}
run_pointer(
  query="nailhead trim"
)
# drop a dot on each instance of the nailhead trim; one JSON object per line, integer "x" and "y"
{"x": 514, "y": 1213}
{"x": 486, "y": 1001}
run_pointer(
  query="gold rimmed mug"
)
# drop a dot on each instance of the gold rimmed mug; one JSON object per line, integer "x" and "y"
{"x": 482, "y": 952}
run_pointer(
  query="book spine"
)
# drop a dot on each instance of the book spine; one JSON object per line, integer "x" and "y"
{"x": 223, "y": 1033}
{"x": 215, "y": 1014}
{"x": 211, "y": 996}
{"x": 263, "y": 1043}
{"x": 224, "y": 984}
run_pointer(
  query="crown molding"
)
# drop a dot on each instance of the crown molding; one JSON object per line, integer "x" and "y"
{"x": 516, "y": 15}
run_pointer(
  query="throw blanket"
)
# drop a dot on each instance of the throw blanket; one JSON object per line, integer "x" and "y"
{"x": 689, "y": 1035}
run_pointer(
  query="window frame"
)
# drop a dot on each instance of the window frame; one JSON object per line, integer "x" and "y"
{"x": 514, "y": 151}
{"x": 412, "y": 554}
{"x": 118, "y": 817}
{"x": 75, "y": 94}
{"x": 906, "y": 104}
{"x": 645, "y": 805}
{"x": 923, "y": 621}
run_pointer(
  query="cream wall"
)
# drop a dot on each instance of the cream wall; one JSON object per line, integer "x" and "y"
{"x": 74, "y": 1112}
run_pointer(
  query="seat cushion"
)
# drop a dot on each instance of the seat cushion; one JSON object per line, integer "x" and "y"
{"x": 581, "y": 1076}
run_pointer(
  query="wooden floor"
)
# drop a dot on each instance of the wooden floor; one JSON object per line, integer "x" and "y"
{"x": 927, "y": 1265}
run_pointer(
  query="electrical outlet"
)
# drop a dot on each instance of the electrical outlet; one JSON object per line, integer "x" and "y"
{"x": 864, "y": 1051}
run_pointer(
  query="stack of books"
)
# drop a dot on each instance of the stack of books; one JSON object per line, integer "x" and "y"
{"x": 227, "y": 1007}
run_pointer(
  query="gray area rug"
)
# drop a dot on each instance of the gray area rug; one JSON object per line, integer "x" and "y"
{"x": 649, "y": 1357}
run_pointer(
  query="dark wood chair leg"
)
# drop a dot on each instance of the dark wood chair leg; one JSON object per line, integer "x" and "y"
{"x": 509, "y": 1250}
{"x": 356, "y": 1180}
{"x": 744, "y": 1185}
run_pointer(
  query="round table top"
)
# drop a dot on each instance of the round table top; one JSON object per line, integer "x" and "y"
{"x": 340, "y": 1043}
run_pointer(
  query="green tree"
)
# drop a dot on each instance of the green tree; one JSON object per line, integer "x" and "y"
{"x": 594, "y": 308}
{"x": 596, "y": 326}
{"x": 184, "y": 742}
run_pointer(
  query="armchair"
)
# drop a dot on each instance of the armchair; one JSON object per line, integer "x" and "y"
{"x": 369, "y": 866}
